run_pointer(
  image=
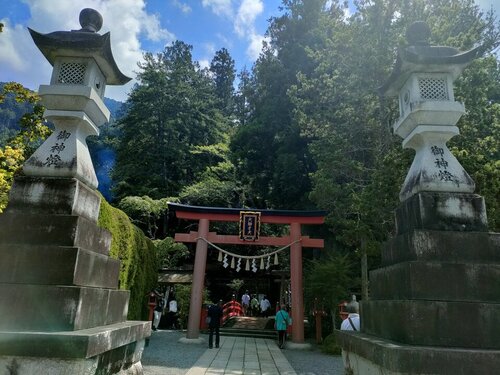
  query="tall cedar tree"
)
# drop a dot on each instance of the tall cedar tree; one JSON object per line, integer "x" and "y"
{"x": 268, "y": 150}
{"x": 171, "y": 111}
{"x": 223, "y": 71}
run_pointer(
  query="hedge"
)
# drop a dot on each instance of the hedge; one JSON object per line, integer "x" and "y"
{"x": 139, "y": 268}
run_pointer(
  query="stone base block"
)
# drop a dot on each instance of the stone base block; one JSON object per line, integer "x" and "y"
{"x": 472, "y": 282}
{"x": 433, "y": 323}
{"x": 113, "y": 349}
{"x": 58, "y": 230}
{"x": 49, "y": 308}
{"x": 56, "y": 196}
{"x": 376, "y": 356}
{"x": 428, "y": 245}
{"x": 57, "y": 265}
{"x": 442, "y": 211}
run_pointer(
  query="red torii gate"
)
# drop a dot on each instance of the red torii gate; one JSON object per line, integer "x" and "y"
{"x": 206, "y": 214}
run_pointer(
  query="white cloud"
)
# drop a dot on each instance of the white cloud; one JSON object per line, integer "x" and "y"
{"x": 245, "y": 18}
{"x": 11, "y": 55}
{"x": 204, "y": 63}
{"x": 25, "y": 64}
{"x": 209, "y": 48}
{"x": 219, "y": 7}
{"x": 184, "y": 8}
{"x": 255, "y": 46}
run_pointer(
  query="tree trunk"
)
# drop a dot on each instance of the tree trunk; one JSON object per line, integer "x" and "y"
{"x": 364, "y": 271}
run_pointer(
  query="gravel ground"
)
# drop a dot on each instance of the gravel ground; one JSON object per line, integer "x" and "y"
{"x": 165, "y": 356}
{"x": 314, "y": 362}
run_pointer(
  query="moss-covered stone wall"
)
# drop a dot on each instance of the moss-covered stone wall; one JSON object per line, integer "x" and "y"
{"x": 139, "y": 268}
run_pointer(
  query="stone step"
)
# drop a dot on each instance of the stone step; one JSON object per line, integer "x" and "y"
{"x": 428, "y": 245}
{"x": 433, "y": 323}
{"x": 472, "y": 282}
{"x": 270, "y": 334}
{"x": 57, "y": 265}
{"x": 86, "y": 343}
{"x": 50, "y": 308}
{"x": 59, "y": 230}
{"x": 442, "y": 211}
{"x": 54, "y": 196}
{"x": 396, "y": 358}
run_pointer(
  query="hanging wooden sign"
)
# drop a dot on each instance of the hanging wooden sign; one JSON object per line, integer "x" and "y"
{"x": 249, "y": 225}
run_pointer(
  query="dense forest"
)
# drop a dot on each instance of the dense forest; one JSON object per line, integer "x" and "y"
{"x": 303, "y": 128}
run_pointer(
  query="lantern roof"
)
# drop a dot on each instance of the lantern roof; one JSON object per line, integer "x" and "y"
{"x": 421, "y": 57}
{"x": 85, "y": 42}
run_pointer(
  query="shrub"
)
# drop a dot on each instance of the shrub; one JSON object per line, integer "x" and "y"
{"x": 330, "y": 345}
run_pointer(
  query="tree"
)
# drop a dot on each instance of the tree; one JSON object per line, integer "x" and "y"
{"x": 329, "y": 281}
{"x": 144, "y": 212}
{"x": 223, "y": 71}
{"x": 269, "y": 151}
{"x": 33, "y": 131}
{"x": 170, "y": 112}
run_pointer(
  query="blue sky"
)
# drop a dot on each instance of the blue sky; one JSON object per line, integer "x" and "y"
{"x": 138, "y": 26}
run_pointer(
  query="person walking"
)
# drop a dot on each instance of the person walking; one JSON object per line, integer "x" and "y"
{"x": 160, "y": 304}
{"x": 282, "y": 321}
{"x": 265, "y": 306}
{"x": 215, "y": 315}
{"x": 245, "y": 303}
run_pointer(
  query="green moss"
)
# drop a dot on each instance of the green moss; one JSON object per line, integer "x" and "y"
{"x": 136, "y": 252}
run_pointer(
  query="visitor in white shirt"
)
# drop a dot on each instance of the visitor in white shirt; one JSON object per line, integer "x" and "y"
{"x": 352, "y": 322}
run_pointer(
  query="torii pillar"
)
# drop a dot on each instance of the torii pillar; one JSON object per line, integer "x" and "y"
{"x": 200, "y": 263}
{"x": 204, "y": 215}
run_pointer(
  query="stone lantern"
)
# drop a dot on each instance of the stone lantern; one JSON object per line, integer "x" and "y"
{"x": 423, "y": 81}
{"x": 83, "y": 66}
{"x": 61, "y": 307}
{"x": 434, "y": 302}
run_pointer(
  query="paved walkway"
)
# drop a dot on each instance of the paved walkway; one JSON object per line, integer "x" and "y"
{"x": 245, "y": 356}
{"x": 165, "y": 355}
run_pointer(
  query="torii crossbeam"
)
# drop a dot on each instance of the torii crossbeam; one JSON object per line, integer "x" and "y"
{"x": 295, "y": 219}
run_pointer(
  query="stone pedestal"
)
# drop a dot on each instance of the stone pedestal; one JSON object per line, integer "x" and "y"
{"x": 434, "y": 306}
{"x": 60, "y": 307}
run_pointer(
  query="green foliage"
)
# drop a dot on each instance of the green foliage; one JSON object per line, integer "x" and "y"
{"x": 170, "y": 254}
{"x": 11, "y": 160}
{"x": 236, "y": 284}
{"x": 144, "y": 212}
{"x": 25, "y": 141}
{"x": 222, "y": 68}
{"x": 183, "y": 297}
{"x": 328, "y": 280}
{"x": 271, "y": 156}
{"x": 139, "y": 267}
{"x": 172, "y": 111}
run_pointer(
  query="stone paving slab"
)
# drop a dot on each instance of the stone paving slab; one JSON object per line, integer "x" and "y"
{"x": 243, "y": 356}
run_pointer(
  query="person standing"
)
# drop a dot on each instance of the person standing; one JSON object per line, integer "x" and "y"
{"x": 245, "y": 303}
{"x": 160, "y": 304}
{"x": 254, "y": 306}
{"x": 265, "y": 306}
{"x": 215, "y": 315}
{"x": 282, "y": 321}
{"x": 172, "y": 313}
{"x": 352, "y": 323}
